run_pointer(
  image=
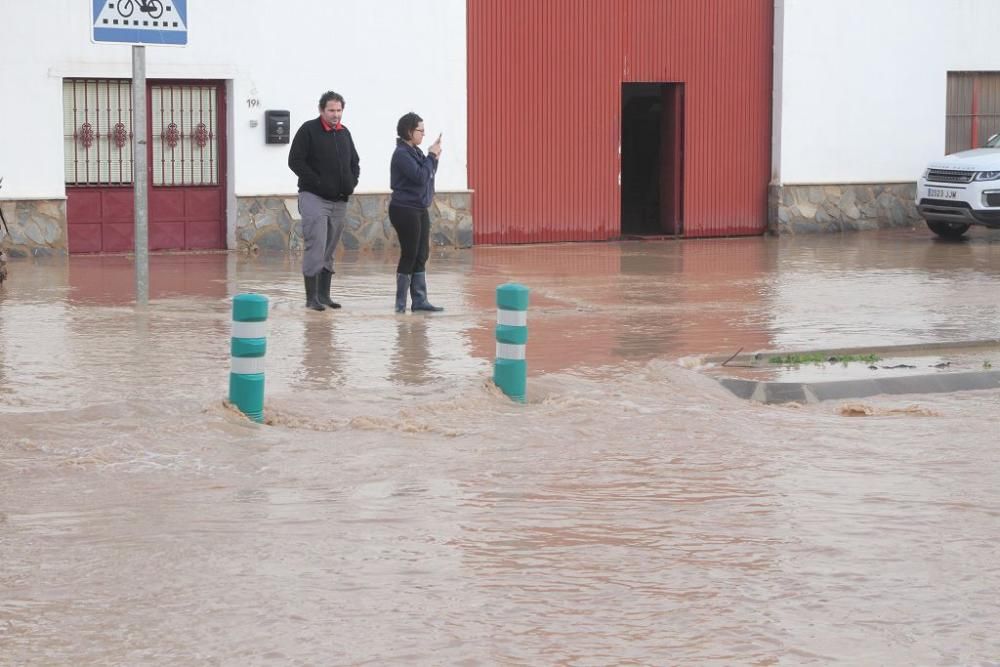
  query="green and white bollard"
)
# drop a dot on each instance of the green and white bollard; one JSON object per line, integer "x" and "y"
{"x": 510, "y": 372}
{"x": 248, "y": 346}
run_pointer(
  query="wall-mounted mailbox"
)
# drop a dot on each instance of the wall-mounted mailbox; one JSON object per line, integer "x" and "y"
{"x": 277, "y": 127}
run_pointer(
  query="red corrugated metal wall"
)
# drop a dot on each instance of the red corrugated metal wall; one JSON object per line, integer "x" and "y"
{"x": 545, "y": 80}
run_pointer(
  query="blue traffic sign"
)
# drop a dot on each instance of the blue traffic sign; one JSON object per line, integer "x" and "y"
{"x": 140, "y": 21}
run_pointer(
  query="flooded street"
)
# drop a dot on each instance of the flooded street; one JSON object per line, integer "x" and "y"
{"x": 398, "y": 510}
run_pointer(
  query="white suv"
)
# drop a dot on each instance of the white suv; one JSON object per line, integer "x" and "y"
{"x": 962, "y": 189}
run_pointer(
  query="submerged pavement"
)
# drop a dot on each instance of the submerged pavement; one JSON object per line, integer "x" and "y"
{"x": 592, "y": 304}
{"x": 398, "y": 510}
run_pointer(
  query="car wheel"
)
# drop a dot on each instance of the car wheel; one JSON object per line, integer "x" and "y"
{"x": 948, "y": 230}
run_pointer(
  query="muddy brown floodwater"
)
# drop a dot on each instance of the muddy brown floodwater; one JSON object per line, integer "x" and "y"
{"x": 398, "y": 510}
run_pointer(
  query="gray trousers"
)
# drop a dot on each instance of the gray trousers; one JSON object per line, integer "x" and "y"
{"x": 322, "y": 225}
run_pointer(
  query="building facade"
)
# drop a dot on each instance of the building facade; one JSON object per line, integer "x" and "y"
{"x": 866, "y": 94}
{"x": 65, "y": 125}
{"x": 563, "y": 120}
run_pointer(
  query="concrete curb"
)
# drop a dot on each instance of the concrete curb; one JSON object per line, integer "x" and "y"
{"x": 772, "y": 392}
{"x": 814, "y": 392}
{"x": 886, "y": 351}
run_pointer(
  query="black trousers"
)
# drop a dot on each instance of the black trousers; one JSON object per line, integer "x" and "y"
{"x": 413, "y": 228}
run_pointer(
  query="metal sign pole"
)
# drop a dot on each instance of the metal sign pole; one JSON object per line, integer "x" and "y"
{"x": 140, "y": 177}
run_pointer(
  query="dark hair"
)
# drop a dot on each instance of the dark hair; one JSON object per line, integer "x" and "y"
{"x": 407, "y": 124}
{"x": 330, "y": 96}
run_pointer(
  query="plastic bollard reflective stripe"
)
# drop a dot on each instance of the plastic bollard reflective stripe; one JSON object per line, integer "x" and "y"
{"x": 508, "y": 351}
{"x": 249, "y": 329}
{"x": 248, "y": 365}
{"x": 512, "y": 318}
{"x": 247, "y": 347}
{"x": 510, "y": 372}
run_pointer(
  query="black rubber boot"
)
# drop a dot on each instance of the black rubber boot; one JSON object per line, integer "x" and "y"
{"x": 418, "y": 292}
{"x": 312, "y": 284}
{"x": 323, "y": 295}
{"x": 402, "y": 286}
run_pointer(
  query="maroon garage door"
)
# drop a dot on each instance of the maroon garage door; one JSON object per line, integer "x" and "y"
{"x": 646, "y": 117}
{"x": 185, "y": 156}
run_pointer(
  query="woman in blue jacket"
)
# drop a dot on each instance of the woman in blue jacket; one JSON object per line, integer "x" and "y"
{"x": 412, "y": 181}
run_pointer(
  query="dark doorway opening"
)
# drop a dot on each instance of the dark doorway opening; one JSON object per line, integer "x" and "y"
{"x": 652, "y": 160}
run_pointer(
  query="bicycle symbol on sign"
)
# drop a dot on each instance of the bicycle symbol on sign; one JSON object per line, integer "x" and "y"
{"x": 152, "y": 7}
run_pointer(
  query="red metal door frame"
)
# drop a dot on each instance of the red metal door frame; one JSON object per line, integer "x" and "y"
{"x": 154, "y": 200}
{"x": 110, "y": 207}
{"x": 672, "y": 159}
{"x": 99, "y": 215}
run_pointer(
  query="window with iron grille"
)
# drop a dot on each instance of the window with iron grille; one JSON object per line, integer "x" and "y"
{"x": 184, "y": 135}
{"x": 973, "y": 109}
{"x": 97, "y": 131}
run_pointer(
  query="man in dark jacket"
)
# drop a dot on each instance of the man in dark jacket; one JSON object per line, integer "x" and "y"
{"x": 323, "y": 156}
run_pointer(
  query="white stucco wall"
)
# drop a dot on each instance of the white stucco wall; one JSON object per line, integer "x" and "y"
{"x": 386, "y": 57}
{"x": 860, "y": 86}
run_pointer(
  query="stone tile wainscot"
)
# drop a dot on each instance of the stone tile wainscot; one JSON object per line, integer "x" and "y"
{"x": 37, "y": 227}
{"x": 271, "y": 224}
{"x": 807, "y": 209}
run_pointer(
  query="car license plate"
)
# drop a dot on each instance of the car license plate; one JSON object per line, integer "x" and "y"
{"x": 939, "y": 193}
